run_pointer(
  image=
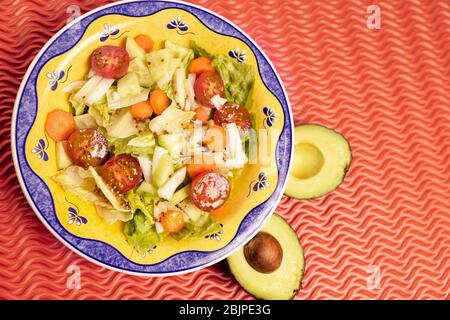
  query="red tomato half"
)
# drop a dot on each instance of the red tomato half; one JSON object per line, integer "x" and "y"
{"x": 233, "y": 113}
{"x": 87, "y": 147}
{"x": 209, "y": 190}
{"x": 110, "y": 61}
{"x": 122, "y": 173}
{"x": 207, "y": 85}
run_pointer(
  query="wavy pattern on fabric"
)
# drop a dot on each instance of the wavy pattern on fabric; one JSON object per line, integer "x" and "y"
{"x": 387, "y": 91}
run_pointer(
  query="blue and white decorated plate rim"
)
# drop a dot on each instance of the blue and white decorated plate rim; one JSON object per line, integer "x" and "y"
{"x": 102, "y": 253}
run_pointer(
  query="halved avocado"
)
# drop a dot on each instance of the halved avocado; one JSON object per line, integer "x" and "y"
{"x": 321, "y": 160}
{"x": 271, "y": 265}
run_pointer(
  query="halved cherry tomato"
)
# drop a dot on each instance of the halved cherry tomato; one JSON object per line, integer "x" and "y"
{"x": 207, "y": 85}
{"x": 87, "y": 147}
{"x": 110, "y": 61}
{"x": 172, "y": 221}
{"x": 209, "y": 190}
{"x": 233, "y": 113}
{"x": 122, "y": 173}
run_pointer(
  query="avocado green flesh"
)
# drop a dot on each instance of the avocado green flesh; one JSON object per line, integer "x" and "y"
{"x": 320, "y": 161}
{"x": 281, "y": 284}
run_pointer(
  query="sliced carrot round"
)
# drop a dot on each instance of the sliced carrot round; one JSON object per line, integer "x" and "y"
{"x": 202, "y": 114}
{"x": 172, "y": 221}
{"x": 145, "y": 42}
{"x": 141, "y": 110}
{"x": 200, "y": 64}
{"x": 59, "y": 124}
{"x": 216, "y": 138}
{"x": 159, "y": 101}
{"x": 199, "y": 164}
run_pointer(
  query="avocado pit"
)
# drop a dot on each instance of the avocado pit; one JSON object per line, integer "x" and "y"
{"x": 264, "y": 253}
{"x": 308, "y": 161}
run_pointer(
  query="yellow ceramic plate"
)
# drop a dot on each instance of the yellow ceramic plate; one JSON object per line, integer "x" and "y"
{"x": 75, "y": 222}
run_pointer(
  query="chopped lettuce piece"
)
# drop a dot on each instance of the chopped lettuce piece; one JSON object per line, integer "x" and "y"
{"x": 141, "y": 233}
{"x": 191, "y": 229}
{"x": 122, "y": 125}
{"x": 174, "y": 143}
{"x": 236, "y": 157}
{"x": 146, "y": 167}
{"x": 87, "y": 88}
{"x": 238, "y": 78}
{"x": 171, "y": 120}
{"x": 84, "y": 121}
{"x": 179, "y": 87}
{"x": 73, "y": 86}
{"x": 99, "y": 91}
{"x": 147, "y": 188}
{"x": 128, "y": 85}
{"x": 113, "y": 199}
{"x": 81, "y": 183}
{"x": 142, "y": 202}
{"x": 62, "y": 158}
{"x": 111, "y": 215}
{"x": 101, "y": 113}
{"x": 78, "y": 108}
{"x": 134, "y": 50}
{"x": 190, "y": 93}
{"x": 117, "y": 101}
{"x": 168, "y": 189}
{"x": 137, "y": 145}
{"x": 199, "y": 51}
{"x": 143, "y": 73}
{"x": 217, "y": 101}
{"x": 163, "y": 169}
{"x": 163, "y": 63}
{"x": 181, "y": 194}
{"x": 195, "y": 214}
{"x": 157, "y": 155}
{"x": 92, "y": 90}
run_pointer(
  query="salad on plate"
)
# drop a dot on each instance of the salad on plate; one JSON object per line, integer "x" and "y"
{"x": 155, "y": 138}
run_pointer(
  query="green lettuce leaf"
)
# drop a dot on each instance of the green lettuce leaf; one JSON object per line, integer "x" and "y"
{"x": 101, "y": 113}
{"x": 238, "y": 78}
{"x": 138, "y": 145}
{"x": 142, "y": 202}
{"x": 163, "y": 63}
{"x": 191, "y": 229}
{"x": 141, "y": 233}
{"x": 140, "y": 68}
{"x": 171, "y": 120}
{"x": 78, "y": 108}
{"x": 199, "y": 51}
{"x": 80, "y": 182}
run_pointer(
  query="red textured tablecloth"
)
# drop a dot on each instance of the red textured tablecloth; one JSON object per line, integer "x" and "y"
{"x": 386, "y": 90}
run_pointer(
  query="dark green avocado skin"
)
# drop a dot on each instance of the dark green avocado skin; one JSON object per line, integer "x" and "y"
{"x": 237, "y": 262}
